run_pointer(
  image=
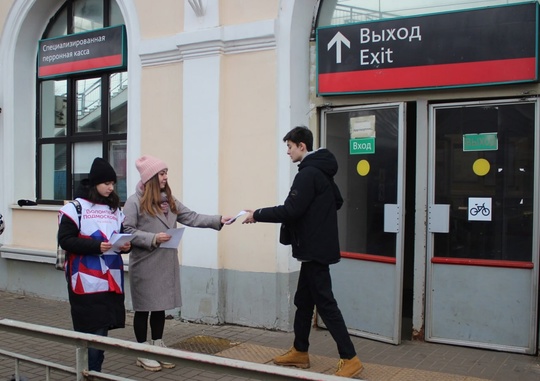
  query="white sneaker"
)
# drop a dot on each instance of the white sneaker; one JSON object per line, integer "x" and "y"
{"x": 148, "y": 364}
{"x": 164, "y": 364}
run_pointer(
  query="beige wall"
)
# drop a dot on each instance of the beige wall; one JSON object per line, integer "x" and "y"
{"x": 170, "y": 14}
{"x": 248, "y": 157}
{"x": 4, "y": 9}
{"x": 34, "y": 228}
{"x": 161, "y": 119}
{"x": 241, "y": 11}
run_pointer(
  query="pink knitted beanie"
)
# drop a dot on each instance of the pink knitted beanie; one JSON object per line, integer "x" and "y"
{"x": 148, "y": 166}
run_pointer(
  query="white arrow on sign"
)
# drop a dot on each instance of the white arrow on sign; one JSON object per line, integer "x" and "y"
{"x": 338, "y": 40}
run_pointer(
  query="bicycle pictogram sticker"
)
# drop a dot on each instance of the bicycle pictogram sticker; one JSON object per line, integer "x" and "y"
{"x": 480, "y": 209}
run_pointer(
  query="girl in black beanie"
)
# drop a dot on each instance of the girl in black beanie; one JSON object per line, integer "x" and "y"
{"x": 94, "y": 273}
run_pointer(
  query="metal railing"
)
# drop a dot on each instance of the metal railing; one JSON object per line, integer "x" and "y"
{"x": 347, "y": 14}
{"x": 81, "y": 342}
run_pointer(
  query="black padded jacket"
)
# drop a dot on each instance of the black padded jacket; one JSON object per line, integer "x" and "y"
{"x": 310, "y": 209}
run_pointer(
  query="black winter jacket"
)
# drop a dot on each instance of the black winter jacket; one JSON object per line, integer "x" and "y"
{"x": 310, "y": 210}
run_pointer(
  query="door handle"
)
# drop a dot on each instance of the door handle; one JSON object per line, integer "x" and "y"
{"x": 439, "y": 218}
{"x": 391, "y": 218}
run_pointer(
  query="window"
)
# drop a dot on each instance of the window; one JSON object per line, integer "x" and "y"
{"x": 504, "y": 182}
{"x": 367, "y": 178}
{"x": 80, "y": 116}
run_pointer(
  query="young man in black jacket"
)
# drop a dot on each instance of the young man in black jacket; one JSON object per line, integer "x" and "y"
{"x": 309, "y": 215}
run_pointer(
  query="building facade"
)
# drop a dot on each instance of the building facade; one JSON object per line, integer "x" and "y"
{"x": 430, "y": 107}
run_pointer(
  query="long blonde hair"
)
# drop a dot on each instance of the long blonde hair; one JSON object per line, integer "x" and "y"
{"x": 151, "y": 198}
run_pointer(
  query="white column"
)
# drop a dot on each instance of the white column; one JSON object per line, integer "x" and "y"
{"x": 200, "y": 155}
{"x": 200, "y": 152}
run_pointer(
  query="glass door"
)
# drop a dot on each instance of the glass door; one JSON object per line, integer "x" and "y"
{"x": 368, "y": 142}
{"x": 482, "y": 271}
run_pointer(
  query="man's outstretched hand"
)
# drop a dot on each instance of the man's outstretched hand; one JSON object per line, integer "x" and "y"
{"x": 249, "y": 219}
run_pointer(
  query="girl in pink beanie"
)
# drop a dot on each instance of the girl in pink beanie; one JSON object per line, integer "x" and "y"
{"x": 148, "y": 166}
{"x": 154, "y": 271}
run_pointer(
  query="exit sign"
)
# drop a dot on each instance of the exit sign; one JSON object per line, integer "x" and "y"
{"x": 473, "y": 47}
{"x": 480, "y": 142}
{"x": 361, "y": 146}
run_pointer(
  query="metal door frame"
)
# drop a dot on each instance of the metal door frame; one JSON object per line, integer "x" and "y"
{"x": 533, "y": 328}
{"x": 398, "y": 208}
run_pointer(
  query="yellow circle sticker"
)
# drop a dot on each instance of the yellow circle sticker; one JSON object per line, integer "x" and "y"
{"x": 362, "y": 167}
{"x": 481, "y": 167}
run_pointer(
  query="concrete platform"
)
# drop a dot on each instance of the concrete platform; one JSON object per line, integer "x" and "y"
{"x": 410, "y": 361}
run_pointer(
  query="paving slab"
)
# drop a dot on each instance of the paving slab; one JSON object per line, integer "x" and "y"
{"x": 411, "y": 360}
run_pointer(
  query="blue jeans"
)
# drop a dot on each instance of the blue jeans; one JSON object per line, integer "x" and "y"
{"x": 96, "y": 356}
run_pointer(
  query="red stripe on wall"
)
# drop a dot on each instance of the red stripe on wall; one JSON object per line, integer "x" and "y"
{"x": 77, "y": 66}
{"x": 469, "y": 73}
{"x": 482, "y": 262}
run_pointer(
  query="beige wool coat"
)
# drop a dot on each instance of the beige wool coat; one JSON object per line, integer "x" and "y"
{"x": 154, "y": 273}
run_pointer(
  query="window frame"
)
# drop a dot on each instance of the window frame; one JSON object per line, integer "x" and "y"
{"x": 104, "y": 136}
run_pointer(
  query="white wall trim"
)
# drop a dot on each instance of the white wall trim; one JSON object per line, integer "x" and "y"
{"x": 196, "y": 44}
{"x": 200, "y": 123}
{"x": 293, "y": 31}
{"x": 203, "y": 42}
{"x": 26, "y": 254}
{"x": 201, "y": 14}
{"x": 131, "y": 20}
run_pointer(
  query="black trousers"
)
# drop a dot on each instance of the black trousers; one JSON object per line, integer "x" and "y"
{"x": 315, "y": 289}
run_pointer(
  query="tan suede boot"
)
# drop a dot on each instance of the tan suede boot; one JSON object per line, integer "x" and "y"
{"x": 293, "y": 358}
{"x": 349, "y": 368}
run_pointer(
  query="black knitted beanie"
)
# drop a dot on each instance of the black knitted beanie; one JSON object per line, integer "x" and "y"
{"x": 101, "y": 172}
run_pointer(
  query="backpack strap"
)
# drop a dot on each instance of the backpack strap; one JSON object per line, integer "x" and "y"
{"x": 61, "y": 254}
{"x": 78, "y": 207}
